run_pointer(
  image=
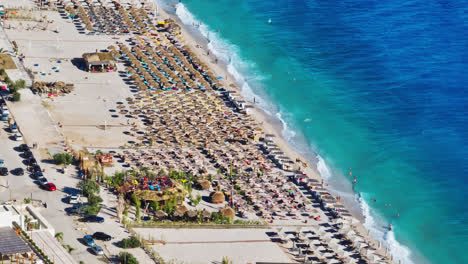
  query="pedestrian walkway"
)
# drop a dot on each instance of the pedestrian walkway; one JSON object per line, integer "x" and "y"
{"x": 52, "y": 248}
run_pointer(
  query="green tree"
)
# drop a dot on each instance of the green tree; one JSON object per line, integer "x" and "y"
{"x": 88, "y": 187}
{"x": 59, "y": 236}
{"x": 131, "y": 242}
{"x": 2, "y": 71}
{"x": 91, "y": 209}
{"x": 63, "y": 158}
{"x": 8, "y": 80}
{"x": 16, "y": 97}
{"x": 127, "y": 258}
{"x": 137, "y": 207}
{"x": 94, "y": 199}
{"x": 226, "y": 260}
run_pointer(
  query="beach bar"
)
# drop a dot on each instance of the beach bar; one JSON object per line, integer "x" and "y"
{"x": 99, "y": 62}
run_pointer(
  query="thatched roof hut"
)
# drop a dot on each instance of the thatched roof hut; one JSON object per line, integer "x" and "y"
{"x": 101, "y": 60}
{"x": 227, "y": 212}
{"x": 217, "y": 197}
{"x": 204, "y": 184}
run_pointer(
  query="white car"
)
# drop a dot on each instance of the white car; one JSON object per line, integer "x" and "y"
{"x": 74, "y": 199}
{"x": 97, "y": 250}
{"x": 18, "y": 137}
{"x": 5, "y": 109}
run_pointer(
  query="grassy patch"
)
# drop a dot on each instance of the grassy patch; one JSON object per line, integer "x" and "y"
{"x": 6, "y": 62}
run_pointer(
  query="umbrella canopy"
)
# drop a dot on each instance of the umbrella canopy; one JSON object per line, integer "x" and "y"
{"x": 227, "y": 212}
{"x": 217, "y": 197}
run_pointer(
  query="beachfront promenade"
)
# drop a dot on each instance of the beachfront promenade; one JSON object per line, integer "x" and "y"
{"x": 162, "y": 104}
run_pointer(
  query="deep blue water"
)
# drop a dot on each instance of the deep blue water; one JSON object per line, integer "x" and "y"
{"x": 383, "y": 84}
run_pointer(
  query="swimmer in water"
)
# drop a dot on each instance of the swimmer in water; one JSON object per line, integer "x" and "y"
{"x": 391, "y": 227}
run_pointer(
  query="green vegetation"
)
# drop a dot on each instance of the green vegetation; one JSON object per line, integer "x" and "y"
{"x": 91, "y": 209}
{"x": 94, "y": 199}
{"x": 27, "y": 200}
{"x": 88, "y": 187}
{"x": 137, "y": 207}
{"x": 59, "y": 236}
{"x": 15, "y": 86}
{"x": 8, "y": 80}
{"x": 69, "y": 248}
{"x": 91, "y": 190}
{"x": 131, "y": 242}
{"x": 2, "y": 71}
{"x": 197, "y": 200}
{"x": 63, "y": 158}
{"x": 226, "y": 260}
{"x": 16, "y": 97}
{"x": 127, "y": 258}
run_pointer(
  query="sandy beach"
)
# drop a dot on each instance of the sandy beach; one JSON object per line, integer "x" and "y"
{"x": 109, "y": 111}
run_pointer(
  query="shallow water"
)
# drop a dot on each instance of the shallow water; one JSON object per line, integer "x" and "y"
{"x": 375, "y": 86}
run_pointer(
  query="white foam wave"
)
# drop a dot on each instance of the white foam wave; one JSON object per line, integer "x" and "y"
{"x": 243, "y": 71}
{"x": 287, "y": 133}
{"x": 379, "y": 230}
{"x": 322, "y": 168}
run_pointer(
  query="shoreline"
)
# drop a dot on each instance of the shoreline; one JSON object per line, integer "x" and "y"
{"x": 271, "y": 124}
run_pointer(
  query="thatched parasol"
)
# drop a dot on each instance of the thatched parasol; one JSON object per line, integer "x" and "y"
{"x": 217, "y": 197}
{"x": 227, "y": 212}
{"x": 204, "y": 184}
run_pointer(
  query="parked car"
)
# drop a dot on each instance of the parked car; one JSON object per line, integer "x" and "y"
{"x": 4, "y": 109}
{"x": 4, "y": 117}
{"x": 32, "y": 161}
{"x": 49, "y": 186}
{"x": 18, "y": 137}
{"x": 35, "y": 168}
{"x": 24, "y": 147}
{"x": 18, "y": 171}
{"x": 97, "y": 250}
{"x": 74, "y": 199}
{"x": 88, "y": 239}
{"x": 3, "y": 171}
{"x": 14, "y": 128}
{"x": 77, "y": 209}
{"x": 102, "y": 236}
{"x": 38, "y": 174}
{"x": 28, "y": 154}
{"x": 42, "y": 180}
{"x": 93, "y": 218}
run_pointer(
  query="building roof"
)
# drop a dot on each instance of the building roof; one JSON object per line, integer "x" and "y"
{"x": 11, "y": 243}
{"x": 98, "y": 57}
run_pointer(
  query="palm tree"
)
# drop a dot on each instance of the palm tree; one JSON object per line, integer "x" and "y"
{"x": 59, "y": 236}
{"x": 226, "y": 261}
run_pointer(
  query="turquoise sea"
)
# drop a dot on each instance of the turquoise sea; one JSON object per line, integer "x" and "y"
{"x": 378, "y": 88}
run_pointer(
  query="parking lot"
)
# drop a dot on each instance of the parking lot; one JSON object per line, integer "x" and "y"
{"x": 17, "y": 187}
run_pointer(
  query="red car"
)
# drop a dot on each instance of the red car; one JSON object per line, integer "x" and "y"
{"x": 50, "y": 187}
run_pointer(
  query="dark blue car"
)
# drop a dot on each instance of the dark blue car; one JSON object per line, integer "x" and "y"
{"x": 94, "y": 218}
